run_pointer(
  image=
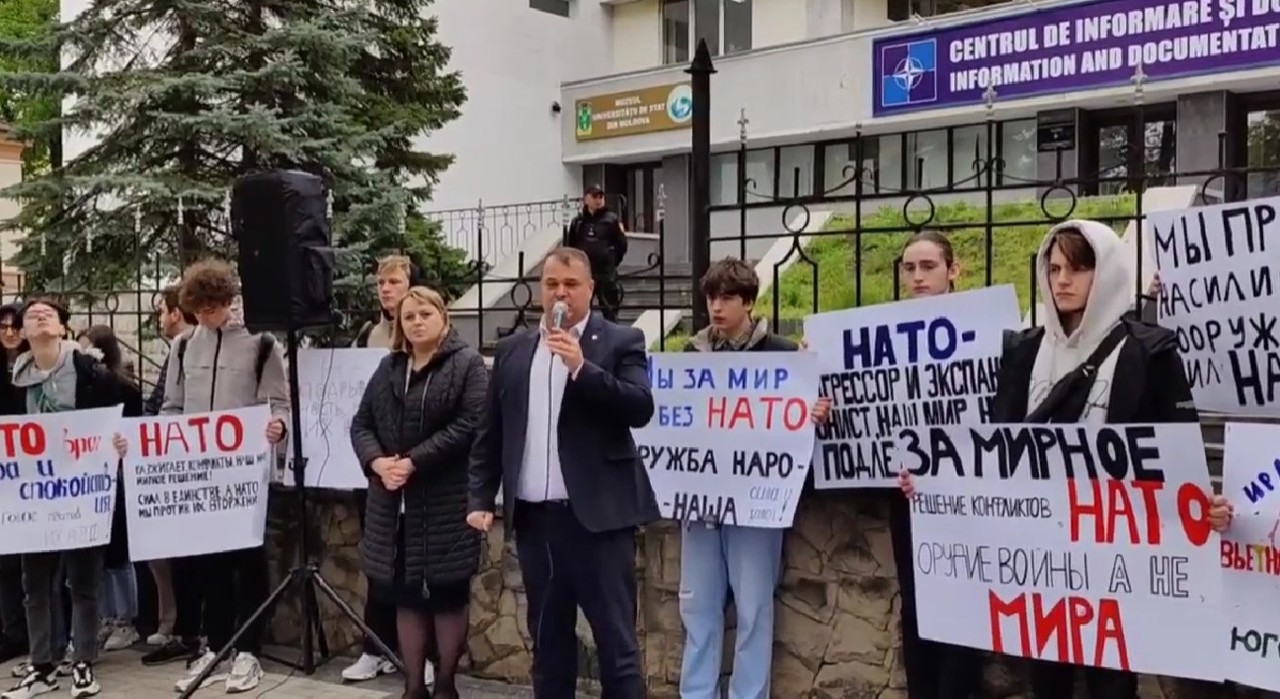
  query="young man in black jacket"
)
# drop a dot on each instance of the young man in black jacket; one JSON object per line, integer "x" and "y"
{"x": 55, "y": 377}
{"x": 718, "y": 557}
{"x": 13, "y": 616}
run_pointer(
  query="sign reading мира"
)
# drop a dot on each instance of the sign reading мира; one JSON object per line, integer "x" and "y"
{"x": 197, "y": 484}
{"x": 928, "y": 361}
{"x": 1068, "y": 543}
{"x": 1219, "y": 266}
{"x": 731, "y": 436}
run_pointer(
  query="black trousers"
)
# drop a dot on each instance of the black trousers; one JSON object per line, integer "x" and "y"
{"x": 379, "y": 616}
{"x": 566, "y": 567}
{"x": 934, "y": 670}
{"x": 13, "y": 611}
{"x": 188, "y": 598}
{"x": 608, "y": 294}
{"x": 228, "y": 587}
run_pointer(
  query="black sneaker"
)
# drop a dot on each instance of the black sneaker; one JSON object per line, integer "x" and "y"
{"x": 83, "y": 683}
{"x": 33, "y": 684}
{"x": 172, "y": 651}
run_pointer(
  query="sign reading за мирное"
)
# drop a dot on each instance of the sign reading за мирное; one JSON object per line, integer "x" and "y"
{"x": 632, "y": 112}
{"x": 1067, "y": 49}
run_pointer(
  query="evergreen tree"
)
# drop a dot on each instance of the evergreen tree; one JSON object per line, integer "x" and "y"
{"x": 186, "y": 95}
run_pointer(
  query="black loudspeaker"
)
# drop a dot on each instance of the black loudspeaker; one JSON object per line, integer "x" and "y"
{"x": 280, "y": 221}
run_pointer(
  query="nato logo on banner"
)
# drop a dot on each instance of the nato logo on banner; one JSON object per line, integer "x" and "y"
{"x": 909, "y": 73}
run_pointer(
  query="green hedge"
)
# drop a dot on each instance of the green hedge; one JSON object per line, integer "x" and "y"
{"x": 1017, "y": 229}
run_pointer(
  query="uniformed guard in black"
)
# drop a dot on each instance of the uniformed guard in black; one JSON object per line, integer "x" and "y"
{"x": 599, "y": 233}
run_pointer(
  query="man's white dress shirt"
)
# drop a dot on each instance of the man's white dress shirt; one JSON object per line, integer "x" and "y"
{"x": 541, "y": 478}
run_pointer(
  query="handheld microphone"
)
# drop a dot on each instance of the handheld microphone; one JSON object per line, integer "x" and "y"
{"x": 558, "y": 313}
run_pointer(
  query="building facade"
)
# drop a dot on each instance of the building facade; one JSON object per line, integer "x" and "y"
{"x": 909, "y": 94}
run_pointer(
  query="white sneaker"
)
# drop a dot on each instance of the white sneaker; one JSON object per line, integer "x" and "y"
{"x": 367, "y": 668}
{"x": 33, "y": 684}
{"x": 22, "y": 669}
{"x": 429, "y": 672}
{"x": 83, "y": 683}
{"x": 246, "y": 674}
{"x": 158, "y": 639}
{"x": 196, "y": 667}
{"x": 105, "y": 630}
{"x": 121, "y": 637}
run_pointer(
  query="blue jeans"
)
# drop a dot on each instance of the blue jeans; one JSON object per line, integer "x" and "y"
{"x": 120, "y": 594}
{"x": 747, "y": 560}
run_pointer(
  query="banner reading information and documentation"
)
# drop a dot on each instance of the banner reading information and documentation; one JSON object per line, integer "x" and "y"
{"x": 197, "y": 484}
{"x": 1068, "y": 543}
{"x": 57, "y": 480}
{"x": 929, "y": 361}
{"x": 1069, "y": 48}
{"x": 1219, "y": 267}
{"x": 1250, "y": 556}
{"x": 330, "y": 384}
{"x": 731, "y": 436}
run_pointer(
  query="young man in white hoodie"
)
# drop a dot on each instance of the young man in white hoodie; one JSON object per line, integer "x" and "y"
{"x": 220, "y": 365}
{"x": 1135, "y": 376}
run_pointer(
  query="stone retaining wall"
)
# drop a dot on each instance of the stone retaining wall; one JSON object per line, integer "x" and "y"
{"x": 836, "y": 633}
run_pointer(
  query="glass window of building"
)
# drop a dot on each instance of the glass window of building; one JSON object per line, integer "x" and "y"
{"x": 883, "y": 156}
{"x": 759, "y": 168}
{"x": 970, "y": 166}
{"x": 795, "y": 171}
{"x": 1264, "y": 153}
{"x": 675, "y": 31}
{"x": 899, "y": 10}
{"x": 927, "y": 161}
{"x": 724, "y": 179}
{"x": 724, "y": 24}
{"x": 1018, "y": 150}
{"x": 554, "y": 7}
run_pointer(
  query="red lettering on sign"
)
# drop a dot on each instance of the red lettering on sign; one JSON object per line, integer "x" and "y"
{"x": 22, "y": 439}
{"x": 190, "y": 435}
{"x": 760, "y": 412}
{"x": 1115, "y": 511}
{"x": 1059, "y": 631}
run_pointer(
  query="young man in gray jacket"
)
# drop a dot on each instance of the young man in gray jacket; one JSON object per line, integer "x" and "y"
{"x": 220, "y": 365}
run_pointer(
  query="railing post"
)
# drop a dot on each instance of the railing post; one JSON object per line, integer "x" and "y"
{"x": 701, "y": 71}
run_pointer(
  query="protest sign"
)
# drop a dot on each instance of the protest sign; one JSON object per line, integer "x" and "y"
{"x": 197, "y": 484}
{"x": 928, "y": 361}
{"x": 330, "y": 385}
{"x": 57, "y": 480}
{"x": 1067, "y": 543}
{"x": 731, "y": 438}
{"x": 1250, "y": 556}
{"x": 1219, "y": 296}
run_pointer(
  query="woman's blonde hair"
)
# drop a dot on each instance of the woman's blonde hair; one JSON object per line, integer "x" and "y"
{"x": 421, "y": 294}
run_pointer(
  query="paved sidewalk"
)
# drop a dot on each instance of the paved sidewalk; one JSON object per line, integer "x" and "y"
{"x": 123, "y": 676}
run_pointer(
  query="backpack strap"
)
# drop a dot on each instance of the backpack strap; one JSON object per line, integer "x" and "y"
{"x": 1079, "y": 378}
{"x": 362, "y": 338}
{"x": 182, "y": 354}
{"x": 266, "y": 343}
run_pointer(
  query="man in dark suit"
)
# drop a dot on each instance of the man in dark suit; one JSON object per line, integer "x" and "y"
{"x": 557, "y": 437}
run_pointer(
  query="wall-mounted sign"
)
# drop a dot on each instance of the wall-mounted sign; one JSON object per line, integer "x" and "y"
{"x": 1070, "y": 48}
{"x": 646, "y": 110}
{"x": 1055, "y": 130}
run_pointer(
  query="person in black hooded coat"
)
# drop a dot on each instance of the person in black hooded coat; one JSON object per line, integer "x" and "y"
{"x": 412, "y": 435}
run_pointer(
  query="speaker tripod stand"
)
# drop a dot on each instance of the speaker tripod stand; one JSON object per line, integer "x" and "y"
{"x": 305, "y": 578}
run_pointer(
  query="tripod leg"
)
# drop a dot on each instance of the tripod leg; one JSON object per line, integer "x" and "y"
{"x": 272, "y": 601}
{"x": 356, "y": 619}
{"x": 322, "y": 641}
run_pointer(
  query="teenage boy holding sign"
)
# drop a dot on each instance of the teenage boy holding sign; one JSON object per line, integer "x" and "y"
{"x": 716, "y": 557}
{"x": 55, "y": 377}
{"x": 220, "y": 365}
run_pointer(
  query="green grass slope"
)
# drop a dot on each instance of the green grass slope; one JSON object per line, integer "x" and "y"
{"x": 831, "y": 264}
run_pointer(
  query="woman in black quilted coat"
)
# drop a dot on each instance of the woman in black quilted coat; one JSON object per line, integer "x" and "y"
{"x": 412, "y": 434}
